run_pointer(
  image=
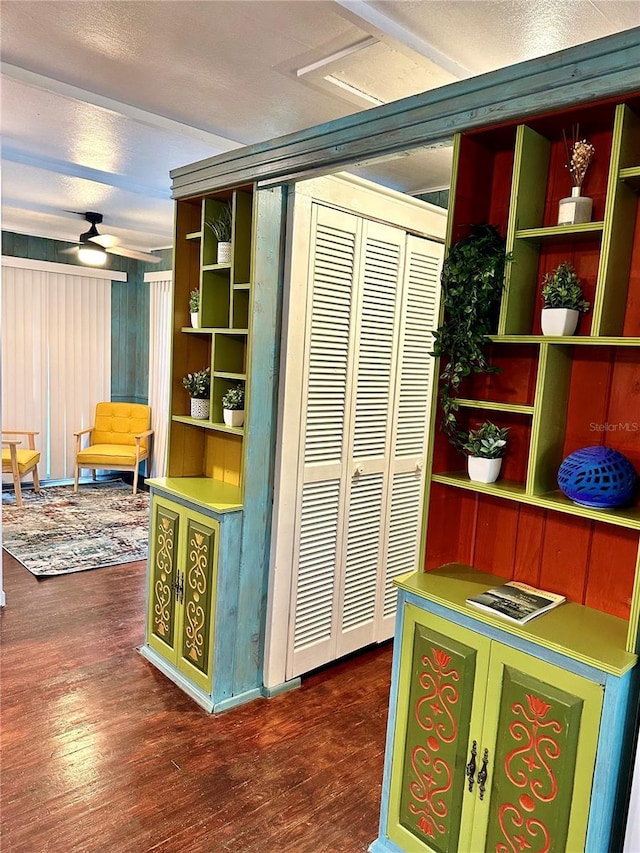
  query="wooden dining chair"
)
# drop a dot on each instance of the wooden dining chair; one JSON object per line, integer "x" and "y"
{"x": 20, "y": 461}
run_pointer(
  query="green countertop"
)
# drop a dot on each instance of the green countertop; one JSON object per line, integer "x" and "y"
{"x": 209, "y": 493}
{"x": 584, "y": 634}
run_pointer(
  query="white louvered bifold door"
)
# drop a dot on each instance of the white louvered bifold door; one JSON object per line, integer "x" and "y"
{"x": 325, "y": 427}
{"x": 374, "y": 366}
{"x": 414, "y": 393}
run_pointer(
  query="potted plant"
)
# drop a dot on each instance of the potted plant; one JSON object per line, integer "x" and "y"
{"x": 563, "y": 301}
{"x": 222, "y": 227}
{"x": 472, "y": 282}
{"x": 198, "y": 385}
{"x": 194, "y": 308}
{"x": 233, "y": 406}
{"x": 485, "y": 448}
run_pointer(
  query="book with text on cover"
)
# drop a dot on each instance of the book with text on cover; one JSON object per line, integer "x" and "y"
{"x": 516, "y": 601}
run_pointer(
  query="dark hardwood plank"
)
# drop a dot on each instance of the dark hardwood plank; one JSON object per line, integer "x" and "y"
{"x": 102, "y": 754}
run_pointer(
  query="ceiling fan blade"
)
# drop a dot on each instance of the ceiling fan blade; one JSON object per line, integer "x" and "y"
{"x": 133, "y": 253}
{"x": 71, "y": 251}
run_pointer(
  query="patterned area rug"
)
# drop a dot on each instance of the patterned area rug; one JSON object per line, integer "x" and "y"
{"x": 58, "y": 532}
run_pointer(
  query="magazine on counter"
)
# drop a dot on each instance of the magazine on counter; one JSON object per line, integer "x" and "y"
{"x": 516, "y": 601}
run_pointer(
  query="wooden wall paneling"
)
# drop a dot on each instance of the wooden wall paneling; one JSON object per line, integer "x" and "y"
{"x": 611, "y": 590}
{"x": 549, "y": 419}
{"x": 515, "y": 380}
{"x": 530, "y": 166}
{"x": 565, "y": 555}
{"x": 450, "y": 526}
{"x": 590, "y": 386}
{"x": 632, "y": 317}
{"x": 622, "y": 418}
{"x": 259, "y": 461}
{"x": 620, "y": 215}
{"x": 185, "y": 451}
{"x": 528, "y": 551}
{"x": 223, "y": 457}
{"x": 495, "y": 535}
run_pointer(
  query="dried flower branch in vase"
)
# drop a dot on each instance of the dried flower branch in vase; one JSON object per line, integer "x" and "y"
{"x": 576, "y": 208}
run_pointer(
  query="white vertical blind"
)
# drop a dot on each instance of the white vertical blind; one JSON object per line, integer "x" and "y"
{"x": 160, "y": 324}
{"x": 56, "y": 354}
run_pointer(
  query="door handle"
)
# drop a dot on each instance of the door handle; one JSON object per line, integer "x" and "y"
{"x": 470, "y": 769}
{"x": 359, "y": 469}
{"x": 483, "y": 773}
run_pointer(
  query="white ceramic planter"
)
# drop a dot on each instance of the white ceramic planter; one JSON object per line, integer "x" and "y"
{"x": 224, "y": 253}
{"x": 559, "y": 321}
{"x": 200, "y": 408}
{"x": 233, "y": 417}
{"x": 195, "y": 319}
{"x": 575, "y": 208}
{"x": 483, "y": 470}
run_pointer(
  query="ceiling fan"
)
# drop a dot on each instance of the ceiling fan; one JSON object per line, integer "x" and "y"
{"x": 93, "y": 247}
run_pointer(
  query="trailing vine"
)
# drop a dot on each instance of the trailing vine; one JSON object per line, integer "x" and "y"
{"x": 472, "y": 281}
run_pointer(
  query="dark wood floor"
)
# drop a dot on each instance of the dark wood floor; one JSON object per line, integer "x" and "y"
{"x": 101, "y": 753}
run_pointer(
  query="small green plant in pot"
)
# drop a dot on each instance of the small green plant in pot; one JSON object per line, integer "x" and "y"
{"x": 485, "y": 447}
{"x": 563, "y": 301}
{"x": 198, "y": 386}
{"x": 194, "y": 308}
{"x": 233, "y": 406}
{"x": 222, "y": 228}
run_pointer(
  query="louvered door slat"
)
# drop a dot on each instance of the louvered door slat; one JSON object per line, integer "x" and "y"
{"x": 403, "y": 534}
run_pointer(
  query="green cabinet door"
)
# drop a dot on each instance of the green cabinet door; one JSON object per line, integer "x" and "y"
{"x": 540, "y": 736}
{"x": 443, "y": 667}
{"x": 182, "y": 585}
{"x": 494, "y": 749}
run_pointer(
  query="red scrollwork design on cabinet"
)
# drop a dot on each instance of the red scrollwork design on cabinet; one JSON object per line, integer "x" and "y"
{"x": 529, "y": 767}
{"x": 432, "y": 773}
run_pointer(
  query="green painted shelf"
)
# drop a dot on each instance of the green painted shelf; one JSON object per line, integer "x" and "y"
{"x": 210, "y": 330}
{"x": 219, "y": 496}
{"x": 217, "y": 427}
{"x": 561, "y": 232}
{"x": 626, "y": 517}
{"x": 578, "y": 340}
{"x": 519, "y": 408}
{"x": 220, "y": 267}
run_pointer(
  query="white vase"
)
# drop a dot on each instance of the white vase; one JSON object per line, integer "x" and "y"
{"x": 233, "y": 417}
{"x": 483, "y": 470}
{"x": 200, "y": 408}
{"x": 195, "y": 319}
{"x": 575, "y": 208}
{"x": 559, "y": 321}
{"x": 224, "y": 253}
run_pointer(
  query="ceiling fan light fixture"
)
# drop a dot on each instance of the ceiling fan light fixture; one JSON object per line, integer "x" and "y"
{"x": 92, "y": 255}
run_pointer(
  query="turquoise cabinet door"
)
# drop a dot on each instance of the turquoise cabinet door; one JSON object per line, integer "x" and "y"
{"x": 163, "y": 574}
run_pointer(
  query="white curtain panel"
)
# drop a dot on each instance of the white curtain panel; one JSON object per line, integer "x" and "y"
{"x": 160, "y": 326}
{"x": 56, "y": 353}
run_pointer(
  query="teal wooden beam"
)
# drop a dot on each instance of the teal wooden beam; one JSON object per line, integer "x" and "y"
{"x": 599, "y": 69}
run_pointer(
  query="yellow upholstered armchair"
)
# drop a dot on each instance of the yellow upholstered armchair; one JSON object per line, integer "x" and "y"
{"x": 19, "y": 461}
{"x": 119, "y": 440}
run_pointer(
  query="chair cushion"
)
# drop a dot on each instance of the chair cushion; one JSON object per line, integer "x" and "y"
{"x": 118, "y": 423}
{"x": 27, "y": 459}
{"x": 108, "y": 456}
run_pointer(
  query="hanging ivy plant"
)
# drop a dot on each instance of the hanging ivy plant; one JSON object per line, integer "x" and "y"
{"x": 472, "y": 281}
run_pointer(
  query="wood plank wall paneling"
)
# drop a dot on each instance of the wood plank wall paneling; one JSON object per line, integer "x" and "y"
{"x": 102, "y": 753}
{"x": 129, "y": 310}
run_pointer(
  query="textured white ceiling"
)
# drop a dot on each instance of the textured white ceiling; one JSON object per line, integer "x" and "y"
{"x": 99, "y": 100}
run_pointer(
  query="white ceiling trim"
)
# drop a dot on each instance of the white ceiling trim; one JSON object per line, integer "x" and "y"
{"x": 334, "y": 57}
{"x": 50, "y": 84}
{"x": 66, "y": 269}
{"x": 388, "y": 27}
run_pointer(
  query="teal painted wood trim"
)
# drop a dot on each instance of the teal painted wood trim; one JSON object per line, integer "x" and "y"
{"x": 598, "y": 69}
{"x": 285, "y": 687}
{"x": 227, "y": 625}
{"x": 260, "y": 434}
{"x": 383, "y": 843}
{"x": 612, "y": 763}
{"x": 202, "y": 699}
{"x": 238, "y": 699}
